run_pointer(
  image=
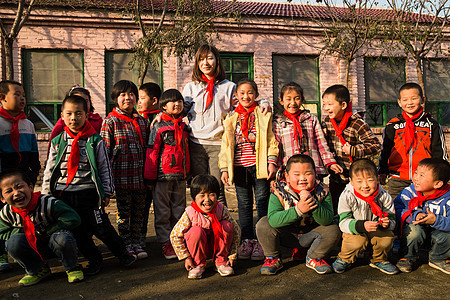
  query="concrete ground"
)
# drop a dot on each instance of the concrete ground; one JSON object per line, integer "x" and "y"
{"x": 157, "y": 278}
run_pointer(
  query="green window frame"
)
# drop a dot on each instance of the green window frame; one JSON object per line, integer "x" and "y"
{"x": 302, "y": 69}
{"x": 383, "y": 78}
{"x": 237, "y": 65}
{"x": 47, "y": 75}
{"x": 117, "y": 68}
{"x": 437, "y": 89}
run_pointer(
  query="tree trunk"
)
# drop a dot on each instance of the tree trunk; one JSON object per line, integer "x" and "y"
{"x": 142, "y": 74}
{"x": 8, "y": 45}
{"x": 419, "y": 71}
{"x": 347, "y": 72}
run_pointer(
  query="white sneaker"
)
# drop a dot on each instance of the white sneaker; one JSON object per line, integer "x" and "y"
{"x": 140, "y": 253}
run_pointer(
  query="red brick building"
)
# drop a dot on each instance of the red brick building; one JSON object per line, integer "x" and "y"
{"x": 62, "y": 45}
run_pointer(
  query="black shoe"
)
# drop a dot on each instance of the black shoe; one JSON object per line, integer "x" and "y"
{"x": 93, "y": 268}
{"x": 127, "y": 260}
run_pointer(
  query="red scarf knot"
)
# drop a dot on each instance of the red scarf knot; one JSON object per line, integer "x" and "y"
{"x": 28, "y": 225}
{"x": 420, "y": 199}
{"x": 74, "y": 157}
{"x": 209, "y": 91}
{"x": 177, "y": 126}
{"x": 376, "y": 210}
{"x": 215, "y": 224}
{"x": 298, "y": 134}
{"x": 125, "y": 118}
{"x": 147, "y": 112}
{"x": 410, "y": 128}
{"x": 244, "y": 116}
{"x": 14, "y": 135}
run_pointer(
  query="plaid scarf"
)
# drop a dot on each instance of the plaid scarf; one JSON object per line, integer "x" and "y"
{"x": 14, "y": 135}
{"x": 28, "y": 225}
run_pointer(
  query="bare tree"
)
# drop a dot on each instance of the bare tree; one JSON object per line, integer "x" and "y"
{"x": 419, "y": 26}
{"x": 177, "y": 27}
{"x": 22, "y": 14}
{"x": 347, "y": 30}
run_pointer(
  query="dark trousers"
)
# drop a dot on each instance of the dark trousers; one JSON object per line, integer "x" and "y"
{"x": 94, "y": 221}
{"x": 246, "y": 184}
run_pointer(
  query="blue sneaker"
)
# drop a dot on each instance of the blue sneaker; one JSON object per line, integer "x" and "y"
{"x": 385, "y": 267}
{"x": 271, "y": 265}
{"x": 339, "y": 265}
{"x": 4, "y": 264}
{"x": 318, "y": 265}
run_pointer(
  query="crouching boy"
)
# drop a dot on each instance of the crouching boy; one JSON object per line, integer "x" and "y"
{"x": 424, "y": 208}
{"x": 36, "y": 226}
{"x": 366, "y": 214}
{"x": 300, "y": 216}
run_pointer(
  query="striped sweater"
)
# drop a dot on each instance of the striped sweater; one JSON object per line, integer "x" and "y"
{"x": 49, "y": 216}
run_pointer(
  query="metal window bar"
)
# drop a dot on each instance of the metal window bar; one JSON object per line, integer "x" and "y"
{"x": 41, "y": 116}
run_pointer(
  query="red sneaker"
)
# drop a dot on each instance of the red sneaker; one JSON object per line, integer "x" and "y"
{"x": 167, "y": 251}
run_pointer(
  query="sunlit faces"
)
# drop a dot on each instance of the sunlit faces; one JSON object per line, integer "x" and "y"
{"x": 332, "y": 107}
{"x": 246, "y": 95}
{"x": 206, "y": 201}
{"x": 126, "y": 101}
{"x": 410, "y": 101}
{"x": 207, "y": 64}
{"x": 74, "y": 116}
{"x": 145, "y": 102}
{"x": 301, "y": 176}
{"x": 364, "y": 182}
{"x": 424, "y": 181}
{"x": 15, "y": 191}
{"x": 14, "y": 101}
{"x": 174, "y": 108}
{"x": 292, "y": 101}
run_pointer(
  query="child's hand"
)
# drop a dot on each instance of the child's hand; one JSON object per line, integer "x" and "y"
{"x": 189, "y": 264}
{"x": 385, "y": 222}
{"x": 307, "y": 202}
{"x": 337, "y": 169}
{"x": 224, "y": 178}
{"x": 419, "y": 217}
{"x": 186, "y": 120}
{"x": 157, "y": 119}
{"x": 346, "y": 148}
{"x": 105, "y": 201}
{"x": 272, "y": 170}
{"x": 265, "y": 108}
{"x": 382, "y": 178}
{"x": 429, "y": 218}
{"x": 371, "y": 226}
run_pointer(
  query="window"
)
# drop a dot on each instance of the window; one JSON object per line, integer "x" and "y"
{"x": 301, "y": 69}
{"x": 47, "y": 76}
{"x": 383, "y": 79}
{"x": 237, "y": 66}
{"x": 437, "y": 89}
{"x": 118, "y": 68}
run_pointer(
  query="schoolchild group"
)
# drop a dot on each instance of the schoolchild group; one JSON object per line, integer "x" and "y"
{"x": 218, "y": 133}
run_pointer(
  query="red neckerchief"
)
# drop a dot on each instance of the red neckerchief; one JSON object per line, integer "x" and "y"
{"x": 215, "y": 224}
{"x": 28, "y": 225}
{"x": 125, "y": 118}
{"x": 376, "y": 210}
{"x": 209, "y": 91}
{"x": 344, "y": 122}
{"x": 74, "y": 157}
{"x": 178, "y": 130}
{"x": 244, "y": 117}
{"x": 297, "y": 128}
{"x": 410, "y": 129}
{"x": 146, "y": 113}
{"x": 420, "y": 199}
{"x": 14, "y": 135}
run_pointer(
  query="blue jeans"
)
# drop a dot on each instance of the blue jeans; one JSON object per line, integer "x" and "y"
{"x": 246, "y": 182}
{"x": 61, "y": 243}
{"x": 413, "y": 237}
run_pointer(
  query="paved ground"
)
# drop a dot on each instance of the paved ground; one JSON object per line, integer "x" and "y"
{"x": 157, "y": 278}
